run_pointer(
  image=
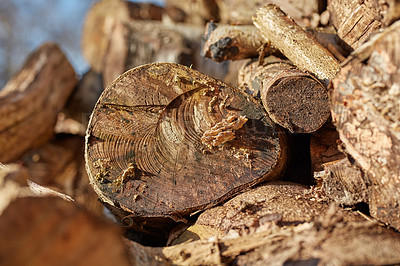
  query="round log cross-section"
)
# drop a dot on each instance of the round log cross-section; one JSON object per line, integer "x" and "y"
{"x": 165, "y": 141}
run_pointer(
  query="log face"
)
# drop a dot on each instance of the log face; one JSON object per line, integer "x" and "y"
{"x": 366, "y": 112}
{"x": 153, "y": 144}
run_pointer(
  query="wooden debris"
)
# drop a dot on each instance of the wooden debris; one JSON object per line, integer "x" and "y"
{"x": 366, "y": 112}
{"x": 31, "y": 100}
{"x": 295, "y": 43}
{"x": 196, "y": 12}
{"x": 294, "y": 99}
{"x": 144, "y": 150}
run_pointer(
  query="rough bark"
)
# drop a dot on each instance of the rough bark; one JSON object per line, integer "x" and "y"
{"x": 298, "y": 46}
{"x": 239, "y": 12}
{"x": 143, "y": 42}
{"x": 366, "y": 112}
{"x": 294, "y": 99}
{"x": 165, "y": 141}
{"x": 100, "y": 22}
{"x": 31, "y": 100}
{"x": 356, "y": 20}
{"x": 52, "y": 231}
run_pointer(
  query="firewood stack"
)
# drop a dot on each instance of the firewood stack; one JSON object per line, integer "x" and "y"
{"x": 209, "y": 133}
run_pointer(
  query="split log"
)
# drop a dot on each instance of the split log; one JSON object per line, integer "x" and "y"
{"x": 50, "y": 231}
{"x": 281, "y": 203}
{"x": 294, "y": 99}
{"x": 239, "y": 12}
{"x": 165, "y": 141}
{"x": 138, "y": 43}
{"x": 196, "y": 12}
{"x": 365, "y": 109}
{"x": 356, "y": 20}
{"x": 295, "y": 43}
{"x": 100, "y": 22}
{"x": 31, "y": 100}
{"x": 234, "y": 42}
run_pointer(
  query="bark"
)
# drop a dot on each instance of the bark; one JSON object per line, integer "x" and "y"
{"x": 50, "y": 231}
{"x": 356, "y": 20}
{"x": 239, "y": 12}
{"x": 366, "y": 112}
{"x": 100, "y": 22}
{"x": 295, "y": 43}
{"x": 31, "y": 100}
{"x": 198, "y": 12}
{"x": 294, "y": 99}
{"x": 162, "y": 131}
{"x": 139, "y": 43}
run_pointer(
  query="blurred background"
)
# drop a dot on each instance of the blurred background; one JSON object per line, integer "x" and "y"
{"x": 26, "y": 24}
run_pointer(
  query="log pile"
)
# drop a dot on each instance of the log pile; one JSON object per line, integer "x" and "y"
{"x": 208, "y": 134}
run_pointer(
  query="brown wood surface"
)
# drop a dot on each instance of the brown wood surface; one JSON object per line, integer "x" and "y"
{"x": 366, "y": 112}
{"x": 31, "y": 100}
{"x": 165, "y": 140}
{"x": 293, "y": 98}
{"x": 298, "y": 46}
{"x": 356, "y": 20}
{"x": 197, "y": 12}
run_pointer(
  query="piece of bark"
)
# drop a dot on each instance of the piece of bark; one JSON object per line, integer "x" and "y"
{"x": 344, "y": 183}
{"x": 100, "y": 22}
{"x": 356, "y": 20}
{"x": 324, "y": 147}
{"x": 330, "y": 241}
{"x": 85, "y": 95}
{"x": 298, "y": 46}
{"x": 365, "y": 109}
{"x": 31, "y": 100}
{"x": 239, "y": 12}
{"x": 52, "y": 231}
{"x": 143, "y": 42}
{"x": 161, "y": 131}
{"x": 294, "y": 99}
{"x": 280, "y": 203}
{"x": 196, "y": 12}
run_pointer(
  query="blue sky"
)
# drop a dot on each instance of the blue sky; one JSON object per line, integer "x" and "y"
{"x": 39, "y": 21}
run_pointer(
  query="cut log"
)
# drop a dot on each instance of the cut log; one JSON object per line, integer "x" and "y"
{"x": 324, "y": 147}
{"x": 298, "y": 46}
{"x": 233, "y": 42}
{"x": 281, "y": 203}
{"x": 138, "y": 43}
{"x": 165, "y": 141}
{"x": 366, "y": 112}
{"x": 356, "y": 20}
{"x": 239, "y": 12}
{"x": 294, "y": 99}
{"x": 196, "y": 12}
{"x": 52, "y": 231}
{"x": 100, "y": 22}
{"x": 31, "y": 100}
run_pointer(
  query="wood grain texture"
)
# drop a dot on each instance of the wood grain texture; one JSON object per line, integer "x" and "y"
{"x": 31, "y": 100}
{"x": 366, "y": 112}
{"x": 294, "y": 99}
{"x": 295, "y": 43}
{"x": 144, "y": 150}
